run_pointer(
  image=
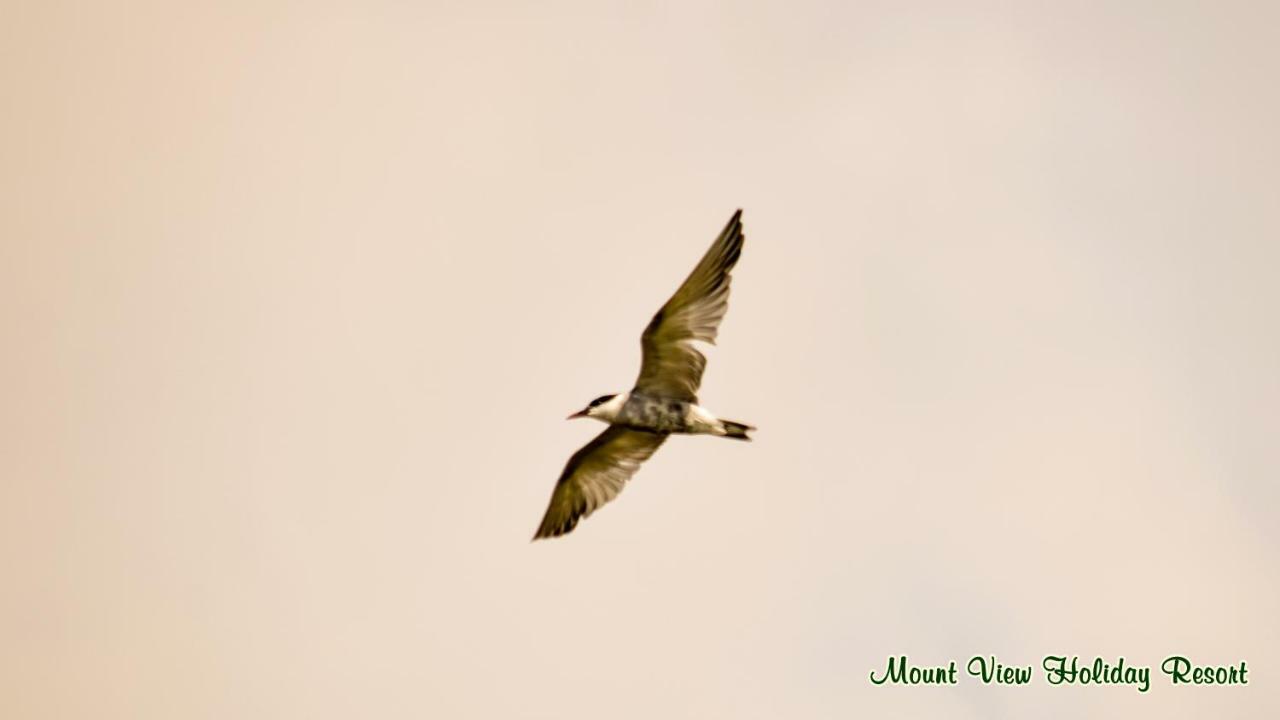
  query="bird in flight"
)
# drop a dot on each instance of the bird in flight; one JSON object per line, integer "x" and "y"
{"x": 665, "y": 397}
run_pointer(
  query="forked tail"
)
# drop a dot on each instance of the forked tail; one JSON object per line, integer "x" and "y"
{"x": 736, "y": 430}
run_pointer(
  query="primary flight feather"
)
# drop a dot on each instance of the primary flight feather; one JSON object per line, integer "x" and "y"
{"x": 664, "y": 400}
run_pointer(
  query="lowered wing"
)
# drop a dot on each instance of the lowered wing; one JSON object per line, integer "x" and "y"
{"x": 595, "y": 475}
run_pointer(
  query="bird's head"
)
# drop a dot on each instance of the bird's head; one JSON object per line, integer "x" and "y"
{"x": 605, "y": 407}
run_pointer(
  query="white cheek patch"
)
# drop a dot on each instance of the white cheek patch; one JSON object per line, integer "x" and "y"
{"x": 613, "y": 407}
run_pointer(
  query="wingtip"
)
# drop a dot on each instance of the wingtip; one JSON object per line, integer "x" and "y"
{"x": 546, "y": 533}
{"x": 733, "y": 235}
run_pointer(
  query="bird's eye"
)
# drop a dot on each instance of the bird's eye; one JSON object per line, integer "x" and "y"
{"x": 599, "y": 400}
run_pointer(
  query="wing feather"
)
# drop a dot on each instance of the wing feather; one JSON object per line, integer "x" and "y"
{"x": 595, "y": 475}
{"x": 672, "y": 367}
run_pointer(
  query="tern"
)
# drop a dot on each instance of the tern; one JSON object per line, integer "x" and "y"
{"x": 664, "y": 400}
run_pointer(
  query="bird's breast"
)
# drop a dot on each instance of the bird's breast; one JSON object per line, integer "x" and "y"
{"x": 655, "y": 414}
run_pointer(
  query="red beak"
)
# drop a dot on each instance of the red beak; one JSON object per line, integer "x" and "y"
{"x": 580, "y": 413}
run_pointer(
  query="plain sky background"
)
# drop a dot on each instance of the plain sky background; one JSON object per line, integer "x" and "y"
{"x": 295, "y": 298}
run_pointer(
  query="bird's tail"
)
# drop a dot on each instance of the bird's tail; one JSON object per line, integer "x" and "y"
{"x": 736, "y": 430}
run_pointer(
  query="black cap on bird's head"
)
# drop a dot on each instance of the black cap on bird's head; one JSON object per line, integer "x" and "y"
{"x": 586, "y": 411}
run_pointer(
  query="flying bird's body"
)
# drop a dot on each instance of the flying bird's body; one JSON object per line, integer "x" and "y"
{"x": 652, "y": 413}
{"x": 664, "y": 400}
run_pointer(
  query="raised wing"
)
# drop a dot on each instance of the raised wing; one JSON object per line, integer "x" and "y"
{"x": 595, "y": 475}
{"x": 672, "y": 366}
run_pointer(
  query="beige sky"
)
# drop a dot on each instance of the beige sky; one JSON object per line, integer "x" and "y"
{"x": 296, "y": 296}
